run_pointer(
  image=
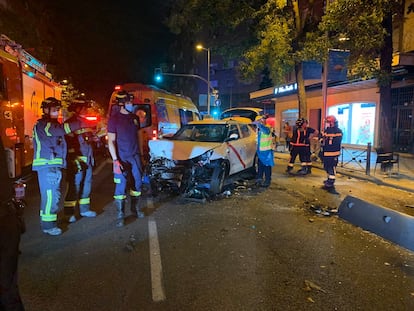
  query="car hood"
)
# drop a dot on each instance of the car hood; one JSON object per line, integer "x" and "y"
{"x": 180, "y": 150}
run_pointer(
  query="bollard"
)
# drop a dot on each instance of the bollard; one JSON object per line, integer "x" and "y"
{"x": 368, "y": 167}
{"x": 389, "y": 224}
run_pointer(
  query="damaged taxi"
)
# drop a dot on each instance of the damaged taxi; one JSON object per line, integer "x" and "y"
{"x": 200, "y": 158}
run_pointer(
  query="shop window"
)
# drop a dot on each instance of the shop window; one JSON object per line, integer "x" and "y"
{"x": 357, "y": 122}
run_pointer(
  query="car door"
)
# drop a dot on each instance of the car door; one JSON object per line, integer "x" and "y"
{"x": 249, "y": 144}
{"x": 236, "y": 150}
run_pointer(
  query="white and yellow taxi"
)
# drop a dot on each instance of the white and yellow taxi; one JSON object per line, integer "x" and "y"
{"x": 201, "y": 156}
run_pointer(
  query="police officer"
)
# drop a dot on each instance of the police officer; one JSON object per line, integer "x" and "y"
{"x": 123, "y": 126}
{"x": 49, "y": 159}
{"x": 10, "y": 231}
{"x": 264, "y": 152}
{"x": 80, "y": 162}
{"x": 300, "y": 145}
{"x": 331, "y": 145}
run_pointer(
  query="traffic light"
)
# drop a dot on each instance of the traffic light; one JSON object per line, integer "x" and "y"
{"x": 158, "y": 75}
{"x": 215, "y": 112}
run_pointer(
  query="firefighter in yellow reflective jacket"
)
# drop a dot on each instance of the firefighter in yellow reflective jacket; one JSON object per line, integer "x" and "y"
{"x": 264, "y": 152}
{"x": 49, "y": 159}
{"x": 80, "y": 164}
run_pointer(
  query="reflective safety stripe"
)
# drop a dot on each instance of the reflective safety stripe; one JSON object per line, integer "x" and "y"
{"x": 42, "y": 161}
{"x": 117, "y": 180}
{"x": 82, "y": 158}
{"x": 47, "y": 127}
{"x": 66, "y": 126}
{"x": 298, "y": 144}
{"x": 120, "y": 197}
{"x": 331, "y": 153}
{"x": 333, "y": 135}
{"x": 47, "y": 215}
{"x": 69, "y": 204}
{"x": 134, "y": 193}
{"x": 85, "y": 201}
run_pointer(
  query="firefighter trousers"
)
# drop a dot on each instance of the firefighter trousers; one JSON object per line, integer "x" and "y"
{"x": 79, "y": 181}
{"x": 130, "y": 176}
{"x": 50, "y": 192}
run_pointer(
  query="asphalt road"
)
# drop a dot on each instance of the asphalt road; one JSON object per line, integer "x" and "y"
{"x": 257, "y": 249}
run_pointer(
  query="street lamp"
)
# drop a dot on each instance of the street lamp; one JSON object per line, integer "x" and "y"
{"x": 200, "y": 47}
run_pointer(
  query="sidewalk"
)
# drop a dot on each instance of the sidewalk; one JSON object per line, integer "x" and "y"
{"x": 352, "y": 162}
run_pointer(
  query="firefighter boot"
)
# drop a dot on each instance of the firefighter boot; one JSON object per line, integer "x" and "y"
{"x": 120, "y": 209}
{"x": 289, "y": 169}
{"x": 136, "y": 207}
{"x": 309, "y": 169}
{"x": 303, "y": 170}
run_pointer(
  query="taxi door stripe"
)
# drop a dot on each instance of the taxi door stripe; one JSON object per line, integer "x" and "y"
{"x": 237, "y": 154}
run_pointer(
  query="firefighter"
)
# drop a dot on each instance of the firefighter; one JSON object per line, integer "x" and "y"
{"x": 331, "y": 145}
{"x": 300, "y": 145}
{"x": 49, "y": 159}
{"x": 123, "y": 126}
{"x": 80, "y": 162}
{"x": 264, "y": 152}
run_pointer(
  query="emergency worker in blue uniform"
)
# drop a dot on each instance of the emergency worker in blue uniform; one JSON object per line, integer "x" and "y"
{"x": 123, "y": 145}
{"x": 300, "y": 145}
{"x": 264, "y": 152}
{"x": 80, "y": 162}
{"x": 49, "y": 159}
{"x": 331, "y": 146}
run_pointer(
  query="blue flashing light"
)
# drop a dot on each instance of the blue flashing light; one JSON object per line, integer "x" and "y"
{"x": 31, "y": 74}
{"x": 158, "y": 75}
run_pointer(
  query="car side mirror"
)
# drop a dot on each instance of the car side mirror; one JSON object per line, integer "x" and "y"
{"x": 233, "y": 136}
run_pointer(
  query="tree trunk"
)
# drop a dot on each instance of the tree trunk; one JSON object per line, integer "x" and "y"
{"x": 385, "y": 124}
{"x": 303, "y": 109}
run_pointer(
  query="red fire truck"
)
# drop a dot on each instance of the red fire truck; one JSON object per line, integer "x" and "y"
{"x": 24, "y": 83}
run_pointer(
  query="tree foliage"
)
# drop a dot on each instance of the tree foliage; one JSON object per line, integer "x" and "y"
{"x": 356, "y": 25}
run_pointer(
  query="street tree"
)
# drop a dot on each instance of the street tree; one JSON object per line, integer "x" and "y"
{"x": 367, "y": 26}
{"x": 284, "y": 31}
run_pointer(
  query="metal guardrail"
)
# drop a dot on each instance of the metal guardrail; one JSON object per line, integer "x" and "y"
{"x": 356, "y": 159}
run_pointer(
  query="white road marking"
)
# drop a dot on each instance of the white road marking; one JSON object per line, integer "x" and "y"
{"x": 155, "y": 260}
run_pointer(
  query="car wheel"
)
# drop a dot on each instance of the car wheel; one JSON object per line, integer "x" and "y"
{"x": 219, "y": 176}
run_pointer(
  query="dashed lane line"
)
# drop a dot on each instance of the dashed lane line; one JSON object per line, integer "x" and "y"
{"x": 158, "y": 293}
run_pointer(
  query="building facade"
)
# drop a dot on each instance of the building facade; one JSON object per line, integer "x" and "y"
{"x": 357, "y": 104}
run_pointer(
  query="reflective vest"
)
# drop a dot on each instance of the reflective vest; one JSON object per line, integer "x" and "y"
{"x": 264, "y": 139}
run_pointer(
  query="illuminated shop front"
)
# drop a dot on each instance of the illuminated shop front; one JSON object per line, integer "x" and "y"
{"x": 355, "y": 105}
{"x": 357, "y": 121}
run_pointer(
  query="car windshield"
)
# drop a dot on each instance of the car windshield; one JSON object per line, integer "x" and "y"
{"x": 202, "y": 132}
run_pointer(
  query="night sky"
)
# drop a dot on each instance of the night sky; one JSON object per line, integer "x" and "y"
{"x": 111, "y": 42}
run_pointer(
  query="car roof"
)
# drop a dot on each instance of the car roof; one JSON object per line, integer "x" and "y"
{"x": 258, "y": 110}
{"x": 214, "y": 121}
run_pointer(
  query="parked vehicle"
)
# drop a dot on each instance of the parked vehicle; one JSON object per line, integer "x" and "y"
{"x": 24, "y": 83}
{"x": 161, "y": 113}
{"x": 199, "y": 159}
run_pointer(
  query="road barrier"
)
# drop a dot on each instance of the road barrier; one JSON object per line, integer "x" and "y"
{"x": 389, "y": 224}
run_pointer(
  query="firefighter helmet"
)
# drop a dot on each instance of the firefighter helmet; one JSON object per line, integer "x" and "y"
{"x": 331, "y": 120}
{"x": 300, "y": 122}
{"x": 78, "y": 103}
{"x": 123, "y": 97}
{"x": 51, "y": 102}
